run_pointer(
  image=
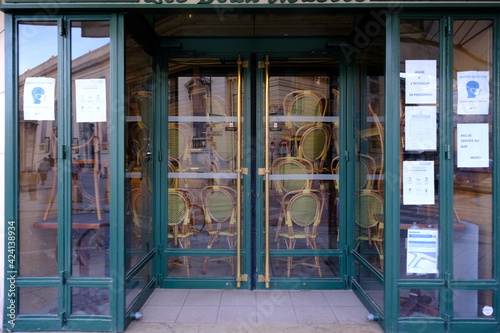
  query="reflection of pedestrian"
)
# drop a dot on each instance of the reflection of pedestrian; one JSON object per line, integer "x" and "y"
{"x": 43, "y": 168}
{"x": 51, "y": 160}
{"x": 32, "y": 182}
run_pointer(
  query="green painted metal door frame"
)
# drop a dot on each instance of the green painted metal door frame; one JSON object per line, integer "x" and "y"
{"x": 64, "y": 319}
{"x": 252, "y": 51}
{"x": 393, "y": 321}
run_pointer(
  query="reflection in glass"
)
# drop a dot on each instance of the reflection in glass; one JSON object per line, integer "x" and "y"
{"x": 202, "y": 152}
{"x": 90, "y": 301}
{"x": 139, "y": 153}
{"x": 419, "y": 302}
{"x": 38, "y": 300}
{"x": 38, "y": 161}
{"x": 473, "y": 199}
{"x": 305, "y": 267}
{"x": 368, "y": 164}
{"x": 90, "y": 160}
{"x": 473, "y": 303}
{"x": 419, "y": 42}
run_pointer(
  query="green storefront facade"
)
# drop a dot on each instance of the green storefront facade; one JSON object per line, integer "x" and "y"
{"x": 251, "y": 145}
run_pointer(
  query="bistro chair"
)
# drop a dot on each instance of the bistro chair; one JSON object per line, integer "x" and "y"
{"x": 290, "y": 174}
{"x": 303, "y": 103}
{"x": 219, "y": 207}
{"x": 303, "y": 216}
{"x": 180, "y": 228}
{"x": 367, "y": 214}
{"x": 314, "y": 144}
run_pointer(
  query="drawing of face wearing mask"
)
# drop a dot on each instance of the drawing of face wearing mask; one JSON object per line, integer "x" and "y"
{"x": 38, "y": 95}
{"x": 472, "y": 88}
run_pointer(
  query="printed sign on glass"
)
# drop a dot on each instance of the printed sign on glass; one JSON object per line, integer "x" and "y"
{"x": 473, "y": 92}
{"x": 39, "y": 98}
{"x": 90, "y": 100}
{"x": 420, "y": 87}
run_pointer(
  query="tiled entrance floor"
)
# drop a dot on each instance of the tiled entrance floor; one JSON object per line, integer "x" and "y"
{"x": 181, "y": 310}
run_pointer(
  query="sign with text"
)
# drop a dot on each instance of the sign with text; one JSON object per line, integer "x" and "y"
{"x": 473, "y": 145}
{"x": 422, "y": 251}
{"x": 418, "y": 183}
{"x": 420, "y": 128}
{"x": 39, "y": 98}
{"x": 420, "y": 87}
{"x": 90, "y": 100}
{"x": 473, "y": 90}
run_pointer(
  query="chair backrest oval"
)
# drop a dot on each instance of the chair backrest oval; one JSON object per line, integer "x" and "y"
{"x": 225, "y": 145}
{"x": 304, "y": 209}
{"x": 219, "y": 203}
{"x": 292, "y": 167}
{"x": 314, "y": 143}
{"x": 367, "y": 206}
{"x": 178, "y": 208}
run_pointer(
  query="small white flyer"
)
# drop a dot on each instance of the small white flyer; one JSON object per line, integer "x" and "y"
{"x": 90, "y": 97}
{"x": 420, "y": 128}
{"x": 473, "y": 145}
{"x": 418, "y": 183}
{"x": 422, "y": 251}
{"x": 420, "y": 87}
{"x": 39, "y": 98}
{"x": 473, "y": 92}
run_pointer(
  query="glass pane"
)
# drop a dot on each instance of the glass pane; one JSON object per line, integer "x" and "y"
{"x": 38, "y": 148}
{"x": 138, "y": 158}
{"x": 137, "y": 283}
{"x": 473, "y": 130}
{"x": 368, "y": 165}
{"x": 303, "y": 152}
{"x": 371, "y": 285}
{"x": 202, "y": 153}
{"x": 473, "y": 303}
{"x": 90, "y": 301}
{"x": 38, "y": 300}
{"x": 419, "y": 149}
{"x": 419, "y": 302}
{"x": 90, "y": 155}
{"x": 305, "y": 267}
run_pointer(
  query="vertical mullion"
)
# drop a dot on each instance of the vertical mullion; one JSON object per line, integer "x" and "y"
{"x": 392, "y": 174}
{"x": 117, "y": 164}
{"x": 63, "y": 183}
{"x": 446, "y": 160}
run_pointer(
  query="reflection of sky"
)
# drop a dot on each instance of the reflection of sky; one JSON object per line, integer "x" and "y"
{"x": 38, "y": 43}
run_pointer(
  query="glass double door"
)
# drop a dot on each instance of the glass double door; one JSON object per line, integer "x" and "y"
{"x": 253, "y": 173}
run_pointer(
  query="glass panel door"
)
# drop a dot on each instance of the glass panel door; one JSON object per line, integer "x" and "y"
{"x": 212, "y": 234}
{"x": 204, "y": 235}
{"x": 301, "y": 119}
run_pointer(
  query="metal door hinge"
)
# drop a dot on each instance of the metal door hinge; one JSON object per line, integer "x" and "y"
{"x": 346, "y": 155}
{"x": 62, "y": 28}
{"x": 63, "y": 318}
{"x": 63, "y": 277}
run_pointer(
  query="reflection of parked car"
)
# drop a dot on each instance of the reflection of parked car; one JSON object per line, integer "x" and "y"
{"x": 474, "y": 179}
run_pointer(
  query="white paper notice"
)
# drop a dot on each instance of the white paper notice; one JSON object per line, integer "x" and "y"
{"x": 422, "y": 251}
{"x": 418, "y": 182}
{"x": 90, "y": 100}
{"x": 473, "y": 92}
{"x": 39, "y": 98}
{"x": 421, "y": 85}
{"x": 473, "y": 145}
{"x": 420, "y": 128}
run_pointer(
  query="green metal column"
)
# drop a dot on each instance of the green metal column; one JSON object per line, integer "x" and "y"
{"x": 392, "y": 180}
